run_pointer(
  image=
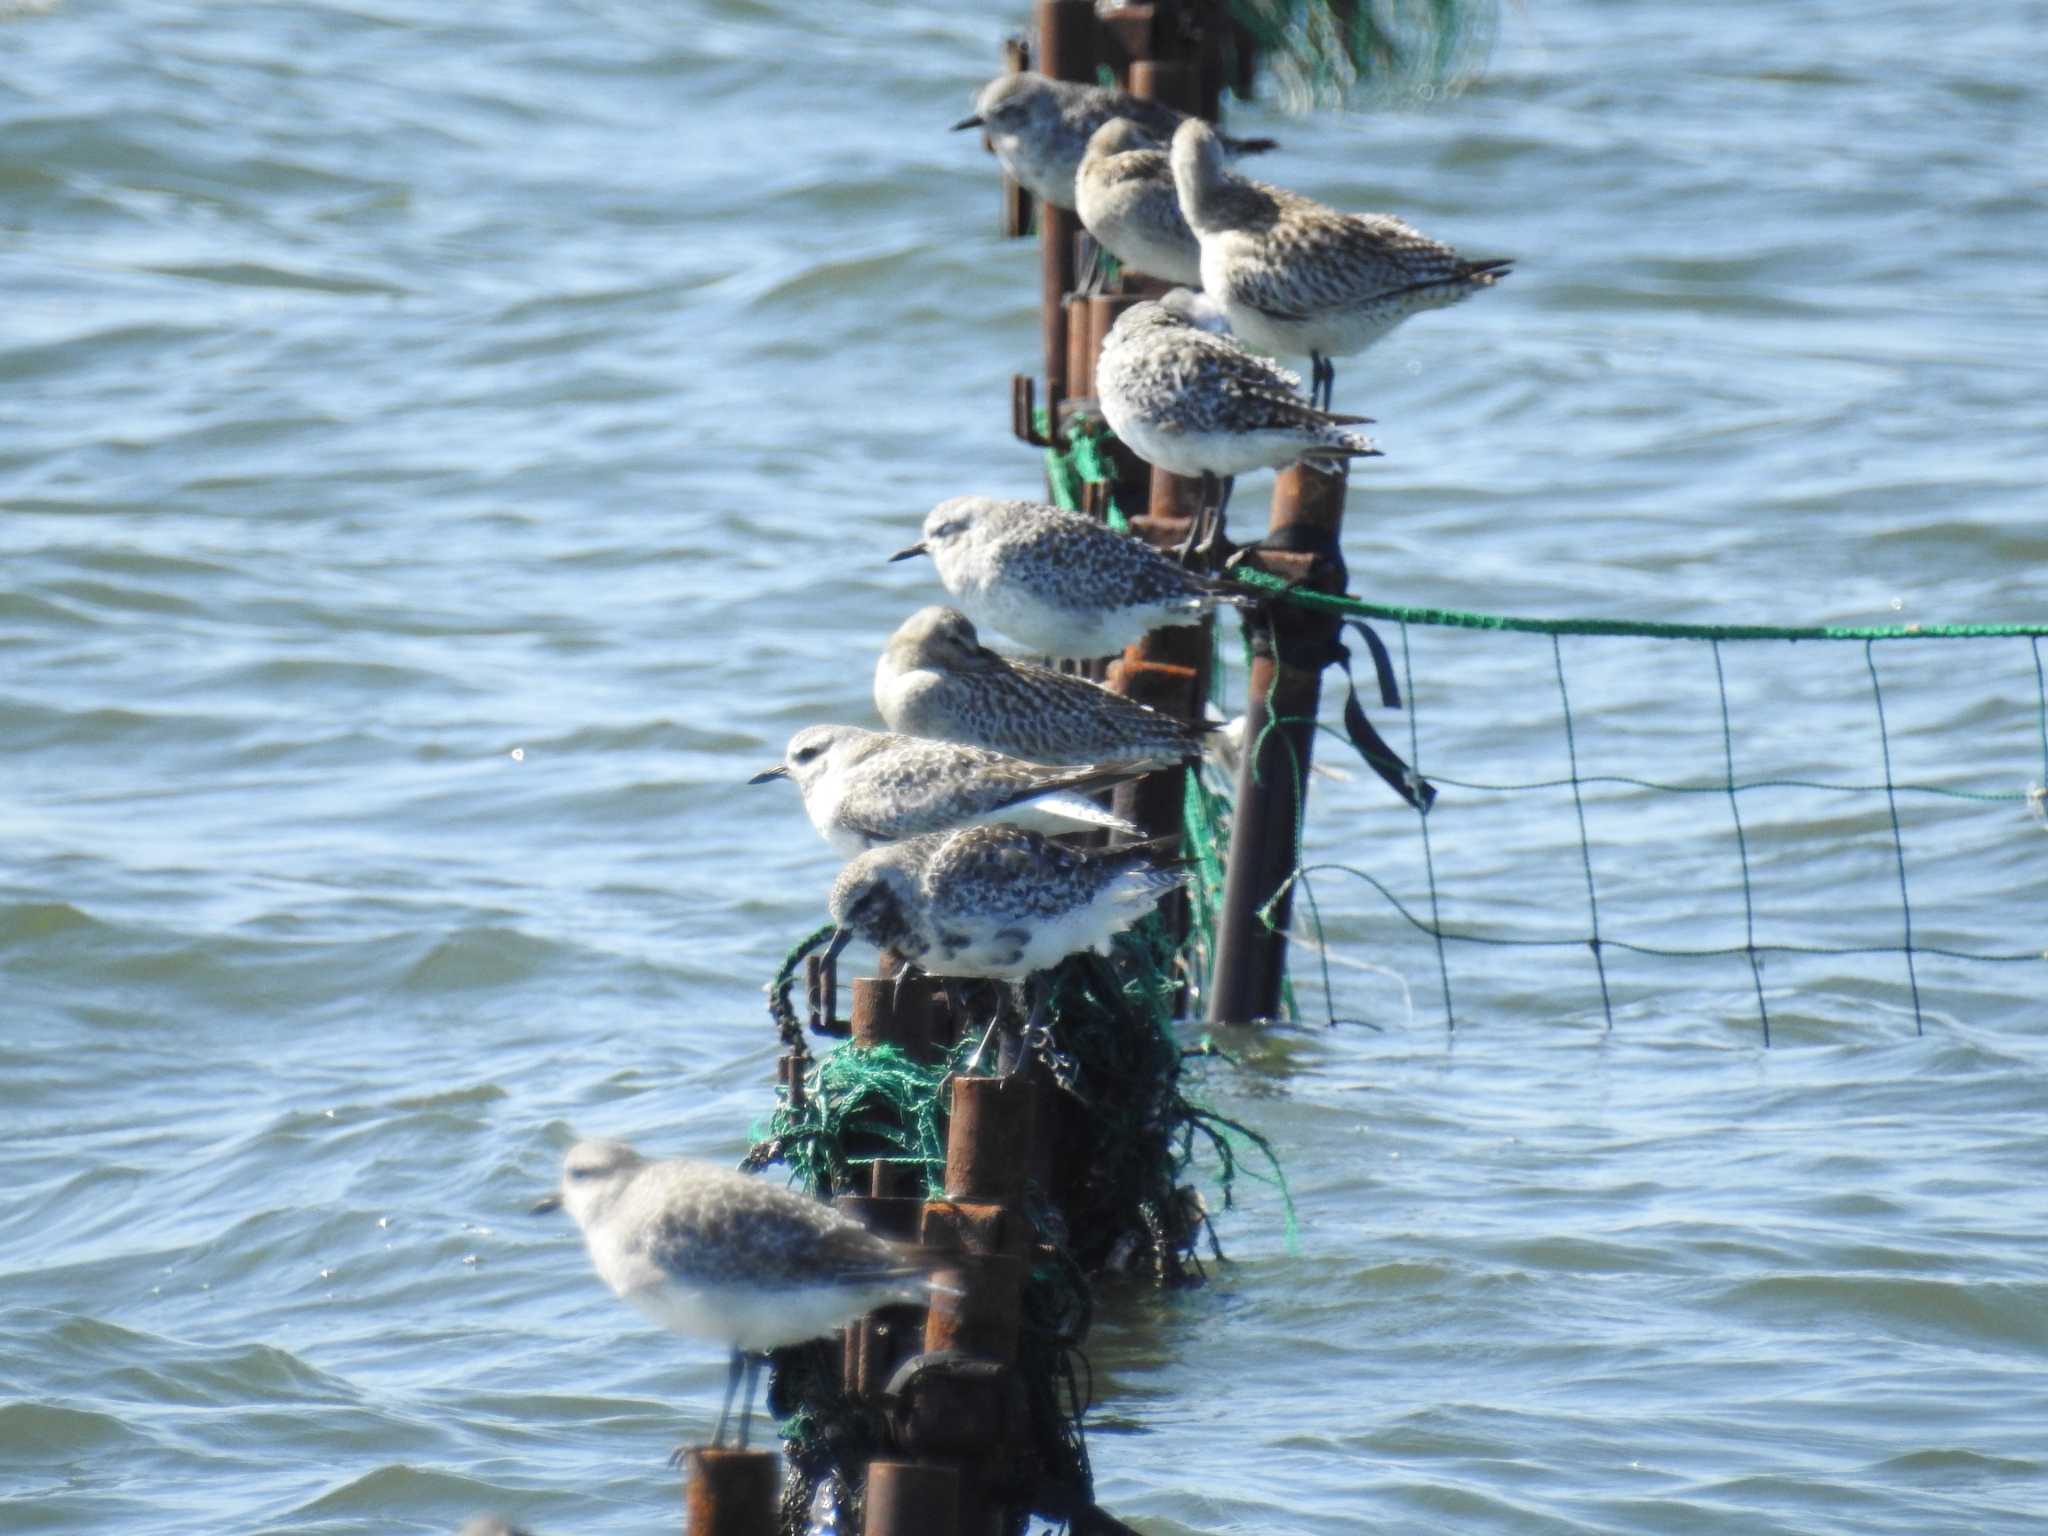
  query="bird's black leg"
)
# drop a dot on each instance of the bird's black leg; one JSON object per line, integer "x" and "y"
{"x": 1323, "y": 386}
{"x": 732, "y": 1386}
{"x": 1089, "y": 281}
{"x": 1214, "y": 536}
{"x": 753, "y": 1363}
{"x": 956, "y": 1004}
{"x": 896, "y": 987}
{"x": 1036, "y": 994}
{"x": 1198, "y": 529}
{"x": 988, "y": 1036}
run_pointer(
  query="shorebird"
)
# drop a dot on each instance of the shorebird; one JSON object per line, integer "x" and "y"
{"x": 1125, "y": 194}
{"x": 713, "y": 1254}
{"x": 1058, "y": 583}
{"x": 995, "y": 902}
{"x": 1040, "y": 127}
{"x": 1299, "y": 278}
{"x": 936, "y": 679}
{"x": 1195, "y": 403}
{"x": 864, "y": 788}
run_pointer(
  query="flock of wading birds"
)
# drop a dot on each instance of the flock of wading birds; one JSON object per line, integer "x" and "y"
{"x": 953, "y": 816}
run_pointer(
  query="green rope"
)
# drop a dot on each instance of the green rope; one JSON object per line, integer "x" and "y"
{"x": 1328, "y": 52}
{"x": 1451, "y": 618}
{"x": 1080, "y": 461}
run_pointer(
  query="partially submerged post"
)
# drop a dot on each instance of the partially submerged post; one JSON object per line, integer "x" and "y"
{"x": 1066, "y": 51}
{"x": 1291, "y": 645}
{"x": 730, "y": 1493}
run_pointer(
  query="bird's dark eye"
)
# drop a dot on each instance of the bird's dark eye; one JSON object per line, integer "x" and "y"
{"x": 581, "y": 1173}
{"x": 948, "y": 530}
{"x": 808, "y": 753}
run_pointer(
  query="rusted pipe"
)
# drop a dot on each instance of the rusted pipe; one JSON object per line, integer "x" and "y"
{"x": 988, "y": 1145}
{"x": 1285, "y": 686}
{"x": 1016, "y": 201}
{"x": 1066, "y": 51}
{"x": 912, "y": 1498}
{"x": 730, "y": 1493}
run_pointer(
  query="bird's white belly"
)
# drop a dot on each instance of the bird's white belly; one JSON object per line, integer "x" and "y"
{"x": 1014, "y": 950}
{"x": 750, "y": 1317}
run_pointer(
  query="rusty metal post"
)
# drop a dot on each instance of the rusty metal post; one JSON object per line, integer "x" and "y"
{"x": 1169, "y": 668}
{"x": 1066, "y": 51}
{"x": 989, "y": 1140}
{"x": 1177, "y": 82}
{"x": 912, "y": 1498}
{"x": 1016, "y": 201}
{"x": 1285, "y": 688}
{"x": 730, "y": 1493}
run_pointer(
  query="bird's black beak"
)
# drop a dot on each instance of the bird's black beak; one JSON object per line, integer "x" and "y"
{"x": 779, "y": 771}
{"x": 966, "y": 122}
{"x": 544, "y": 1205}
{"x": 906, "y": 554}
{"x": 840, "y": 940}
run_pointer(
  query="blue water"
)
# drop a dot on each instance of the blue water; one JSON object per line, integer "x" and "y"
{"x": 444, "y": 451}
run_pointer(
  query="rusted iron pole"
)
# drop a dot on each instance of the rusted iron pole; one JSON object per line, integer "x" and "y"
{"x": 912, "y": 1498}
{"x": 1291, "y": 646}
{"x": 1169, "y": 668}
{"x": 1066, "y": 51}
{"x": 730, "y": 1493}
{"x": 1016, "y": 201}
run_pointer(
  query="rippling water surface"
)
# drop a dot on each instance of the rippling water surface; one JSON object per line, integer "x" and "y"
{"x": 444, "y": 450}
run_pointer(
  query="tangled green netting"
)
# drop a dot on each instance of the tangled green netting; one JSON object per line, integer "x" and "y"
{"x": 1125, "y": 1137}
{"x": 1330, "y": 52}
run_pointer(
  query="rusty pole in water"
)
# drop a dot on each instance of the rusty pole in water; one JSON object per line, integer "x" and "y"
{"x": 1291, "y": 646}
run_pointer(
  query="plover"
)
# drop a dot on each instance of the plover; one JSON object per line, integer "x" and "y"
{"x": 1198, "y": 404}
{"x": 1299, "y": 278}
{"x": 1056, "y": 582}
{"x": 1040, "y": 128}
{"x": 1125, "y": 194}
{"x": 863, "y": 788}
{"x": 936, "y": 679}
{"x": 995, "y": 901}
{"x": 713, "y": 1254}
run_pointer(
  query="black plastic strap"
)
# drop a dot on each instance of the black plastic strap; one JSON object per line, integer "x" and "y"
{"x": 1381, "y": 758}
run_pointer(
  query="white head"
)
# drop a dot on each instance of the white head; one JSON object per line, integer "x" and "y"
{"x": 813, "y": 752}
{"x": 1012, "y": 104}
{"x": 594, "y": 1174}
{"x": 950, "y": 531}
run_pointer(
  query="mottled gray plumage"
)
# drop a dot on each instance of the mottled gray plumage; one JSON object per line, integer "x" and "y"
{"x": 1054, "y": 581}
{"x": 711, "y": 1253}
{"x": 1299, "y": 278}
{"x": 1040, "y": 128}
{"x": 994, "y": 901}
{"x": 1125, "y": 194}
{"x": 936, "y": 679}
{"x": 1195, "y": 403}
{"x": 862, "y": 788}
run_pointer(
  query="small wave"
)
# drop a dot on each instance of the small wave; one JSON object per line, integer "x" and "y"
{"x": 39, "y": 1434}
{"x": 28, "y": 920}
{"x": 1989, "y": 1315}
{"x": 255, "y": 274}
{"x": 481, "y": 957}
